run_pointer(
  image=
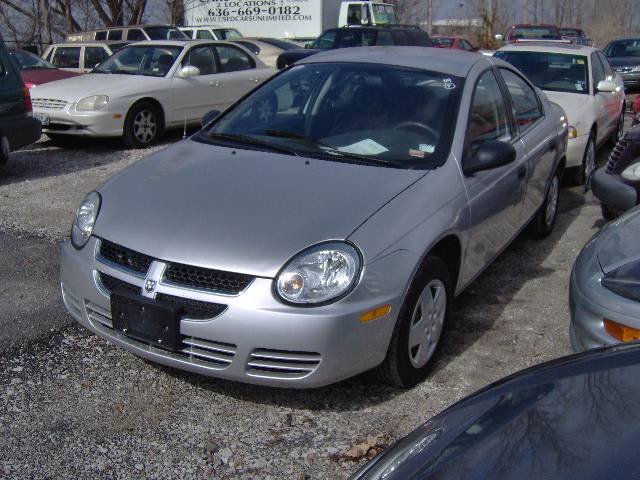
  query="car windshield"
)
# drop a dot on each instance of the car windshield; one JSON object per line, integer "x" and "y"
{"x": 384, "y": 15}
{"x": 227, "y": 33}
{"x": 442, "y": 42}
{"x": 165, "y": 33}
{"x": 544, "y": 33}
{"x": 623, "y": 48}
{"x": 147, "y": 60}
{"x": 557, "y": 72}
{"x": 375, "y": 114}
{"x": 29, "y": 61}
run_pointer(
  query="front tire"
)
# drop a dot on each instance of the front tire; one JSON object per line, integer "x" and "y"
{"x": 619, "y": 133}
{"x": 143, "y": 125}
{"x": 544, "y": 221}
{"x": 419, "y": 326}
{"x": 588, "y": 161}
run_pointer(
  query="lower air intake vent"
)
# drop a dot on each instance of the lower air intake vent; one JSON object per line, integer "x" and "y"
{"x": 282, "y": 364}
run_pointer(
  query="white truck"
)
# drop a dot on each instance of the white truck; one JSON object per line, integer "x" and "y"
{"x": 292, "y": 19}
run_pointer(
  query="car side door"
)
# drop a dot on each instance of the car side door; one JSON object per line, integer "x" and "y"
{"x": 615, "y": 100}
{"x": 198, "y": 94}
{"x": 536, "y": 135}
{"x": 237, "y": 73}
{"x": 495, "y": 195}
{"x": 601, "y": 99}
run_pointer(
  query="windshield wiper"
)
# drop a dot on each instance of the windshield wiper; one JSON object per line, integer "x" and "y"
{"x": 247, "y": 140}
{"x": 331, "y": 150}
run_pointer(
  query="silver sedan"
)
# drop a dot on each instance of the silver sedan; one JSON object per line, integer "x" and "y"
{"x": 321, "y": 226}
{"x": 604, "y": 293}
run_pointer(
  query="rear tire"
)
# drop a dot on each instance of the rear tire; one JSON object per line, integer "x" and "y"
{"x": 419, "y": 326}
{"x": 143, "y": 126}
{"x": 542, "y": 224}
{"x": 608, "y": 213}
{"x": 588, "y": 161}
{"x": 5, "y": 150}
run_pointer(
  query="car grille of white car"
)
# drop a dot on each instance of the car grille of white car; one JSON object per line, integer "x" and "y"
{"x": 49, "y": 103}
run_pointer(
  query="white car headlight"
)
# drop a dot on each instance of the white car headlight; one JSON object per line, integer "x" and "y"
{"x": 632, "y": 172}
{"x": 320, "y": 274}
{"x": 85, "y": 219}
{"x": 92, "y": 104}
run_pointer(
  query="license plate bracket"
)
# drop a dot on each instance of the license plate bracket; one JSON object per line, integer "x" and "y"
{"x": 43, "y": 117}
{"x": 146, "y": 320}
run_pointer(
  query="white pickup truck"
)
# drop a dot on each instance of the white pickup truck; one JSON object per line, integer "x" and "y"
{"x": 293, "y": 19}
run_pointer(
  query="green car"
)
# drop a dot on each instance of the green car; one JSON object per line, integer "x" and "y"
{"x": 18, "y": 127}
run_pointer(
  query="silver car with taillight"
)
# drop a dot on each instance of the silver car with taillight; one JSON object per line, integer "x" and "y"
{"x": 321, "y": 226}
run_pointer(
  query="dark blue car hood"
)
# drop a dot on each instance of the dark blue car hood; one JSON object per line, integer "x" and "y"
{"x": 574, "y": 418}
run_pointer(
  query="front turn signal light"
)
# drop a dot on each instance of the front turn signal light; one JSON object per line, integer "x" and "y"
{"x": 621, "y": 332}
{"x": 573, "y": 132}
{"x": 375, "y": 314}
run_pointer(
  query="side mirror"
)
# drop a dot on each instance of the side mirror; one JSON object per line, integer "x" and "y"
{"x": 489, "y": 155}
{"x": 210, "y": 117}
{"x": 189, "y": 71}
{"x": 607, "y": 86}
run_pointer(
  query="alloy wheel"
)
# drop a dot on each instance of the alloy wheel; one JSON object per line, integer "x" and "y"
{"x": 589, "y": 159}
{"x": 145, "y": 126}
{"x": 552, "y": 201}
{"x": 426, "y": 323}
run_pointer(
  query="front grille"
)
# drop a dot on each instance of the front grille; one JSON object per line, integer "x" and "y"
{"x": 125, "y": 257}
{"x": 49, "y": 103}
{"x": 282, "y": 364}
{"x": 192, "y": 309}
{"x": 202, "y": 278}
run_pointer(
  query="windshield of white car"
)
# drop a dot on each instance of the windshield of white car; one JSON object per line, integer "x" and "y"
{"x": 623, "y": 48}
{"x": 29, "y": 61}
{"x": 374, "y": 113}
{"x": 556, "y": 72}
{"x": 147, "y": 60}
{"x": 165, "y": 33}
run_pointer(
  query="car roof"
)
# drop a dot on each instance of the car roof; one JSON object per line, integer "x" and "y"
{"x": 550, "y": 47}
{"x": 456, "y": 63}
{"x": 89, "y": 43}
{"x": 525, "y": 25}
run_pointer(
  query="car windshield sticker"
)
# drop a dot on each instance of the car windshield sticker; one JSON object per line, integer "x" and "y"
{"x": 448, "y": 84}
{"x": 427, "y": 148}
{"x": 364, "y": 147}
{"x": 416, "y": 153}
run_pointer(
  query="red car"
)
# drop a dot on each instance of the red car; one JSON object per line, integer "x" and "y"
{"x": 35, "y": 70}
{"x": 452, "y": 42}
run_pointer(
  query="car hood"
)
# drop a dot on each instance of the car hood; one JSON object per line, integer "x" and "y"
{"x": 37, "y": 77}
{"x": 571, "y": 418}
{"x": 73, "y": 89}
{"x": 618, "y": 244}
{"x": 238, "y": 210}
{"x": 624, "y": 61}
{"x": 576, "y": 106}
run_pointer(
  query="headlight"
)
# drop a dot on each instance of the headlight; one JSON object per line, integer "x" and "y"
{"x": 92, "y": 104}
{"x": 320, "y": 274}
{"x": 85, "y": 219}
{"x": 632, "y": 172}
{"x": 625, "y": 280}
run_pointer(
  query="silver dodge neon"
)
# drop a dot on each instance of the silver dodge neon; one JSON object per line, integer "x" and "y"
{"x": 321, "y": 226}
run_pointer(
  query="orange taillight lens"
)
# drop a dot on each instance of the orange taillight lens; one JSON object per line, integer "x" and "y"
{"x": 621, "y": 332}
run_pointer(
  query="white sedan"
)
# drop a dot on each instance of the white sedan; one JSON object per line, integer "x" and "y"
{"x": 145, "y": 88}
{"x": 583, "y": 83}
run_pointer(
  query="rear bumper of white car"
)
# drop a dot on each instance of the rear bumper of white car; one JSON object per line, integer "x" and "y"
{"x": 66, "y": 121}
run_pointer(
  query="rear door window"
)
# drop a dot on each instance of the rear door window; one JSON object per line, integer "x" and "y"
{"x": 66, "y": 57}
{"x": 204, "y": 35}
{"x": 135, "y": 34}
{"x": 94, "y": 56}
{"x": 101, "y": 35}
{"x": 526, "y": 103}
{"x": 188, "y": 33}
{"x": 114, "y": 35}
{"x": 232, "y": 59}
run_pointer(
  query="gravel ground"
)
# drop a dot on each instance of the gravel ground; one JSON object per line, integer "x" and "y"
{"x": 75, "y": 407}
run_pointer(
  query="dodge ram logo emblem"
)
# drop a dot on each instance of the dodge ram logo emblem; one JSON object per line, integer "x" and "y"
{"x": 149, "y": 285}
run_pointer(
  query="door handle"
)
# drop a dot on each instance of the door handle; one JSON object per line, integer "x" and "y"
{"x": 522, "y": 172}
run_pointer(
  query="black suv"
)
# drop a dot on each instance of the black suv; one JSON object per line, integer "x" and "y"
{"x": 18, "y": 128}
{"x": 346, "y": 37}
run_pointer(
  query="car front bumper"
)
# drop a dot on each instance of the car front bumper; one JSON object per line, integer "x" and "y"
{"x": 67, "y": 121}
{"x": 630, "y": 79}
{"x": 575, "y": 150}
{"x": 590, "y": 303}
{"x": 265, "y": 341}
